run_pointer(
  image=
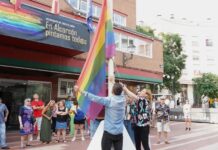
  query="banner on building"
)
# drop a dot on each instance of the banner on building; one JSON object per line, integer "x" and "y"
{"x": 40, "y": 26}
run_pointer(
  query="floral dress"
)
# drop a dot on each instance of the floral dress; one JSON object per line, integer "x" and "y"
{"x": 140, "y": 112}
{"x": 26, "y": 114}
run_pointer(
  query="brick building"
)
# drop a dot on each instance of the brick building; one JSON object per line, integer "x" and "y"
{"x": 44, "y": 53}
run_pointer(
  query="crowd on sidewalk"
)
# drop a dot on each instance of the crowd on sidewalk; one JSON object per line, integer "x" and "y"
{"x": 54, "y": 119}
{"x": 138, "y": 112}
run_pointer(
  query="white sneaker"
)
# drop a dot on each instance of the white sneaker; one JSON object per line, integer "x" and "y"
{"x": 74, "y": 138}
{"x": 82, "y": 138}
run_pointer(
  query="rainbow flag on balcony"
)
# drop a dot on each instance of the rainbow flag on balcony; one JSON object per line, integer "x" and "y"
{"x": 93, "y": 75}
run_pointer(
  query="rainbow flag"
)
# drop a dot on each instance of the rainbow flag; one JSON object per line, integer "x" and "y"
{"x": 93, "y": 75}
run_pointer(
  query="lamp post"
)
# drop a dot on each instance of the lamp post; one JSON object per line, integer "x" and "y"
{"x": 131, "y": 50}
{"x": 173, "y": 83}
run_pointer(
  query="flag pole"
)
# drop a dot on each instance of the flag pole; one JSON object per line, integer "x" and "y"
{"x": 111, "y": 76}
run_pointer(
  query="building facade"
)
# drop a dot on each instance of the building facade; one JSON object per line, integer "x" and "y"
{"x": 44, "y": 53}
{"x": 199, "y": 42}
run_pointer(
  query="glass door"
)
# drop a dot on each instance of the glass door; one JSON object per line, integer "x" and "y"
{"x": 13, "y": 93}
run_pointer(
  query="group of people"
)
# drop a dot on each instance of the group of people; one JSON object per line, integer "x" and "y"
{"x": 135, "y": 112}
{"x": 122, "y": 108}
{"x": 44, "y": 120}
{"x": 54, "y": 118}
{"x": 132, "y": 110}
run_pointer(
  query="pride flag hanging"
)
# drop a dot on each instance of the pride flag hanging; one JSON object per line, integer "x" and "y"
{"x": 93, "y": 75}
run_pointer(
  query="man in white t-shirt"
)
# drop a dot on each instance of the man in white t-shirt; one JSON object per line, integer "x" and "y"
{"x": 187, "y": 115}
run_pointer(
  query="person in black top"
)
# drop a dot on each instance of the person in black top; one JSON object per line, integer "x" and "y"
{"x": 142, "y": 117}
{"x": 61, "y": 120}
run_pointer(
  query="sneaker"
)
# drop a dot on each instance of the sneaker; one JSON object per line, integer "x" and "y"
{"x": 6, "y": 147}
{"x": 38, "y": 138}
{"x": 166, "y": 142}
{"x": 82, "y": 138}
{"x": 74, "y": 138}
{"x": 31, "y": 138}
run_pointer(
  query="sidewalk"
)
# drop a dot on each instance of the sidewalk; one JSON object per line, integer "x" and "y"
{"x": 203, "y": 136}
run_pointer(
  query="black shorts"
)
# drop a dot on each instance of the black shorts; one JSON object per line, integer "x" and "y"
{"x": 79, "y": 121}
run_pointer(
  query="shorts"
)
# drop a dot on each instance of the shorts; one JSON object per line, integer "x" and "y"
{"x": 79, "y": 121}
{"x": 187, "y": 116}
{"x": 39, "y": 122}
{"x": 61, "y": 125}
{"x": 163, "y": 126}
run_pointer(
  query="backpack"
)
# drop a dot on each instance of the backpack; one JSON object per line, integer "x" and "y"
{"x": 79, "y": 115}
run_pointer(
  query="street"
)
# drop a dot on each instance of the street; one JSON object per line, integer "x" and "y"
{"x": 203, "y": 136}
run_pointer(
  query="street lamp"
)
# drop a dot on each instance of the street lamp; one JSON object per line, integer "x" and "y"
{"x": 173, "y": 82}
{"x": 131, "y": 50}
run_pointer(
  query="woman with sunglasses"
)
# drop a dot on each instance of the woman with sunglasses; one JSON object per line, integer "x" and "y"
{"x": 142, "y": 119}
{"x": 26, "y": 121}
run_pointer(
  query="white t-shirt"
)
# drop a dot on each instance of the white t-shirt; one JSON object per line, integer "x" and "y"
{"x": 187, "y": 109}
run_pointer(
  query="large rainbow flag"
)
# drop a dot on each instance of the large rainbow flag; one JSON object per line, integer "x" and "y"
{"x": 93, "y": 75}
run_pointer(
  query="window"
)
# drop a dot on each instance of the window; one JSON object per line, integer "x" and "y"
{"x": 196, "y": 58}
{"x": 96, "y": 10}
{"x": 144, "y": 48}
{"x": 148, "y": 50}
{"x": 83, "y": 6}
{"x": 209, "y": 42}
{"x": 117, "y": 40}
{"x": 119, "y": 20}
{"x": 124, "y": 42}
{"x": 195, "y": 51}
{"x": 195, "y": 44}
{"x": 210, "y": 59}
{"x": 133, "y": 45}
{"x": 65, "y": 87}
{"x": 73, "y": 3}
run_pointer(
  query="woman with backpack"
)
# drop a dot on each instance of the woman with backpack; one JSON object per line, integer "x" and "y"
{"x": 79, "y": 120}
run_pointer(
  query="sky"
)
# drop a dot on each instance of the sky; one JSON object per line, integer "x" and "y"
{"x": 202, "y": 13}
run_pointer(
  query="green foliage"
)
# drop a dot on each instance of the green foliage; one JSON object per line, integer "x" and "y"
{"x": 207, "y": 85}
{"x": 145, "y": 30}
{"x": 174, "y": 61}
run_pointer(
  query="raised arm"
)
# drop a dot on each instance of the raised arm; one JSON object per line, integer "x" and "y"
{"x": 101, "y": 100}
{"x": 129, "y": 93}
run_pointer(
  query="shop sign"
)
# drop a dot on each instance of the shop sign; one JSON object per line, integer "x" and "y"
{"x": 37, "y": 25}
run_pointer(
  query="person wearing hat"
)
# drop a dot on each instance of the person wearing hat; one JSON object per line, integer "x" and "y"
{"x": 187, "y": 115}
{"x": 162, "y": 112}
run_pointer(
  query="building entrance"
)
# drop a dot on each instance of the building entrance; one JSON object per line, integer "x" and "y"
{"x": 13, "y": 93}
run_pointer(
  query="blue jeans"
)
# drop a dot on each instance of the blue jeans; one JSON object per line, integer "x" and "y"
{"x": 130, "y": 130}
{"x": 93, "y": 127}
{"x": 3, "y": 135}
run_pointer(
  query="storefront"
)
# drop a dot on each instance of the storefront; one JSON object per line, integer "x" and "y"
{"x": 37, "y": 55}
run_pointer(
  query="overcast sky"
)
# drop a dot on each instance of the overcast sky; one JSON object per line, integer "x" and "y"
{"x": 188, "y": 12}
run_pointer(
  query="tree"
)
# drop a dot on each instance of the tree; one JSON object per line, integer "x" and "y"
{"x": 207, "y": 85}
{"x": 174, "y": 61}
{"x": 145, "y": 30}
